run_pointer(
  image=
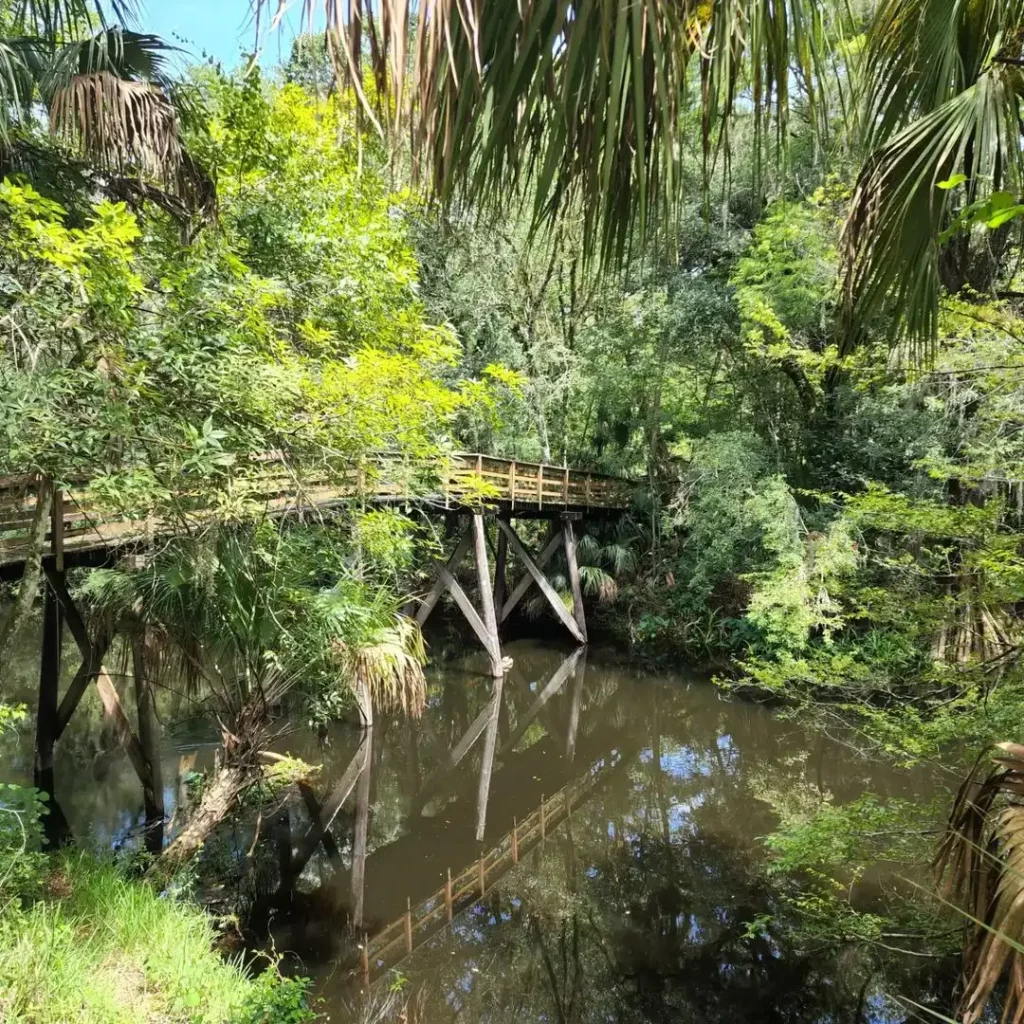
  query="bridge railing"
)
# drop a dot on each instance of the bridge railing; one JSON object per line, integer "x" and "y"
{"x": 384, "y": 949}
{"x": 81, "y": 522}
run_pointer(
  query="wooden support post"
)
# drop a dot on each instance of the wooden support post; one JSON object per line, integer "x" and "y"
{"x": 481, "y": 876}
{"x": 500, "y": 572}
{"x": 565, "y": 487}
{"x": 364, "y": 702}
{"x": 512, "y": 485}
{"x": 281, "y": 830}
{"x": 448, "y": 896}
{"x": 569, "y": 540}
{"x": 515, "y": 841}
{"x": 483, "y": 575}
{"x": 554, "y": 684}
{"x": 360, "y": 835}
{"x": 57, "y": 530}
{"x": 472, "y": 616}
{"x": 487, "y": 762}
{"x": 92, "y": 667}
{"x": 540, "y": 487}
{"x": 313, "y": 808}
{"x": 455, "y": 756}
{"x": 408, "y": 926}
{"x": 149, "y": 738}
{"x": 541, "y": 580}
{"x": 46, "y": 714}
{"x": 574, "y": 710}
{"x": 332, "y": 805}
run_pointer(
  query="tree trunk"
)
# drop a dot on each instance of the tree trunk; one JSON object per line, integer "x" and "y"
{"x": 218, "y": 801}
{"x": 33, "y": 571}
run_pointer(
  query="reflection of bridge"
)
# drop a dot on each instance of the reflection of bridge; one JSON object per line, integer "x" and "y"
{"x": 421, "y": 881}
{"x": 79, "y": 531}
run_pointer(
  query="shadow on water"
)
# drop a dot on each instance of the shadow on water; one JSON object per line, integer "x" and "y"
{"x": 613, "y": 820}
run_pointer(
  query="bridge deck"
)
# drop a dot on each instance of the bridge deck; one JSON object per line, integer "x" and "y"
{"x": 81, "y": 524}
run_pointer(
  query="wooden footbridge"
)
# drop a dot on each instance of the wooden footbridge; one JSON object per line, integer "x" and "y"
{"x": 80, "y": 524}
{"x": 66, "y": 526}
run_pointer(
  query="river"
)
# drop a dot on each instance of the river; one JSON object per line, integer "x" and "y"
{"x": 613, "y": 820}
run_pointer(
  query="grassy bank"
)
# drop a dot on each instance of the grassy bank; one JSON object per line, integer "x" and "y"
{"x": 96, "y": 947}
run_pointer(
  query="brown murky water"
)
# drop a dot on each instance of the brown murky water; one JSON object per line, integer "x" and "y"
{"x": 612, "y": 819}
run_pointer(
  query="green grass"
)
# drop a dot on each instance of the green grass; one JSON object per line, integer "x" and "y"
{"x": 111, "y": 949}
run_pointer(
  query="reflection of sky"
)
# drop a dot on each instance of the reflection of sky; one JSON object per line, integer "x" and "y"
{"x": 683, "y": 762}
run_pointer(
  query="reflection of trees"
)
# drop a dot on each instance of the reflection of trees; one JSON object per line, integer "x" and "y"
{"x": 640, "y": 908}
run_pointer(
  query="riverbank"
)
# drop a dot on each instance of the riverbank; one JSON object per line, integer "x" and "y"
{"x": 83, "y": 942}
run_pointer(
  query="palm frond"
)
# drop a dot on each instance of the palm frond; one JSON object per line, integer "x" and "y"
{"x": 579, "y": 102}
{"x": 892, "y": 235}
{"x": 598, "y": 583}
{"x": 981, "y": 860}
{"x": 119, "y": 124}
{"x": 392, "y": 666}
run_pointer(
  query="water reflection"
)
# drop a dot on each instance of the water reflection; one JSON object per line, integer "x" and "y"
{"x": 647, "y": 899}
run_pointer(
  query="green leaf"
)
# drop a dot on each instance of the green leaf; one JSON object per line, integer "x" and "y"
{"x": 957, "y": 179}
{"x": 1007, "y": 214}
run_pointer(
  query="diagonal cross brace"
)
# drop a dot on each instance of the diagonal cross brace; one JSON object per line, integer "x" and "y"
{"x": 542, "y": 581}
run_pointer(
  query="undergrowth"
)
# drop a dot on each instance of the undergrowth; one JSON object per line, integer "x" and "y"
{"x": 99, "y": 948}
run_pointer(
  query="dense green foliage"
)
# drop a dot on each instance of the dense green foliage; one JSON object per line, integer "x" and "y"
{"x": 827, "y": 513}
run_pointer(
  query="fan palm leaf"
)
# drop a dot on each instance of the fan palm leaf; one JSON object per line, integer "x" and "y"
{"x": 981, "y": 860}
{"x": 892, "y": 236}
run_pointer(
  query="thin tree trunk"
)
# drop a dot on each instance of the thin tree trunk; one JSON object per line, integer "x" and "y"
{"x": 218, "y": 801}
{"x": 28, "y": 588}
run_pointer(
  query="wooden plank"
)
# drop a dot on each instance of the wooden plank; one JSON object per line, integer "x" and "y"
{"x": 467, "y": 609}
{"x": 526, "y": 582}
{"x": 483, "y": 576}
{"x": 541, "y": 580}
{"x": 430, "y": 601}
{"x": 569, "y": 541}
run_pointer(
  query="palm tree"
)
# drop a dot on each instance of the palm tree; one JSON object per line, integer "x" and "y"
{"x": 584, "y": 102}
{"x": 239, "y": 618}
{"x": 108, "y": 99}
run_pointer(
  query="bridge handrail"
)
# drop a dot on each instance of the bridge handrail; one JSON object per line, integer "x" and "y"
{"x": 84, "y": 524}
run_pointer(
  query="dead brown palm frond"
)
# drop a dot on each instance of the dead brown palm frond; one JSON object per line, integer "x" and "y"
{"x": 391, "y": 666}
{"x": 119, "y": 124}
{"x": 980, "y": 863}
